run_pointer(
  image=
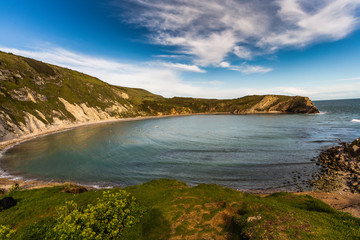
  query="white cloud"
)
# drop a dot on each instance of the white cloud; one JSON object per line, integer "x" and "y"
{"x": 184, "y": 67}
{"x": 248, "y": 69}
{"x": 331, "y": 21}
{"x": 166, "y": 81}
{"x": 210, "y": 30}
{"x": 243, "y": 52}
{"x": 224, "y": 64}
{"x": 245, "y": 68}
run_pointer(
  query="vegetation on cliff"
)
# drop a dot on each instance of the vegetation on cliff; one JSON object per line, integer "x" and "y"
{"x": 168, "y": 209}
{"x": 36, "y": 95}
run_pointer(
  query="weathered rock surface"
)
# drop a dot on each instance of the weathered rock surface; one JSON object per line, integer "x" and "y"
{"x": 340, "y": 168}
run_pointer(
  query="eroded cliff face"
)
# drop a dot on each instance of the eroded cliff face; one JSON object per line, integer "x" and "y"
{"x": 37, "y": 97}
{"x": 81, "y": 114}
{"x": 274, "y": 104}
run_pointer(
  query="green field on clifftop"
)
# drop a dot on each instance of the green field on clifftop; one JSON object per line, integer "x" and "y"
{"x": 206, "y": 211}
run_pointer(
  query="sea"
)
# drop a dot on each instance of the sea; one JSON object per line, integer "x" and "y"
{"x": 258, "y": 152}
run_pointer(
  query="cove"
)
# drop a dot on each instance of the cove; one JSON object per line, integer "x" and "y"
{"x": 238, "y": 151}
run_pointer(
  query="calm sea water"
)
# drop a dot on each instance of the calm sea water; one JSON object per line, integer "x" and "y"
{"x": 243, "y": 152}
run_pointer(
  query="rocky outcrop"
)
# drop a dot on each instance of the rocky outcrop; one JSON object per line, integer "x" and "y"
{"x": 280, "y": 104}
{"x": 340, "y": 167}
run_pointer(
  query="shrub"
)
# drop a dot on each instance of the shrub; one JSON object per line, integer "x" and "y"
{"x": 6, "y": 232}
{"x": 108, "y": 219}
{"x": 14, "y": 188}
{"x": 40, "y": 230}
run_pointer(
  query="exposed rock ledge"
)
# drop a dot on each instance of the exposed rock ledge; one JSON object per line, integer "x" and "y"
{"x": 38, "y": 125}
{"x": 340, "y": 168}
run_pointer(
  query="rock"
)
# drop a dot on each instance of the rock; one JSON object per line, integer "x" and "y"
{"x": 7, "y": 202}
{"x": 73, "y": 188}
{"x": 355, "y": 148}
{"x": 254, "y": 218}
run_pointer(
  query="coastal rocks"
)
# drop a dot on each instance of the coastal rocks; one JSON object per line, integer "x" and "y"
{"x": 83, "y": 113}
{"x": 74, "y": 188}
{"x": 7, "y": 203}
{"x": 23, "y": 94}
{"x": 254, "y": 218}
{"x": 263, "y": 105}
{"x": 296, "y": 105}
{"x": 4, "y": 74}
{"x": 340, "y": 168}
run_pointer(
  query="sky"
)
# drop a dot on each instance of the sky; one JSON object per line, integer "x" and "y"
{"x": 202, "y": 48}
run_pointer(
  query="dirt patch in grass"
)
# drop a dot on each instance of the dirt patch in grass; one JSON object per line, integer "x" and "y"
{"x": 343, "y": 201}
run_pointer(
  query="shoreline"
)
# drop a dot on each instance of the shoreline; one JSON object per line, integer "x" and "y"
{"x": 5, "y": 145}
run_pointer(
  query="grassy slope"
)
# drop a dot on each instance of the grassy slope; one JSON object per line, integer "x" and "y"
{"x": 53, "y": 82}
{"x": 203, "y": 212}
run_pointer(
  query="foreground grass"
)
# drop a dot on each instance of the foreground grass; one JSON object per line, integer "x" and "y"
{"x": 175, "y": 211}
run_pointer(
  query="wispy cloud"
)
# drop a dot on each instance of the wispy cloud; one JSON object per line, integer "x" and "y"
{"x": 245, "y": 68}
{"x": 211, "y": 30}
{"x": 166, "y": 81}
{"x": 183, "y": 67}
{"x": 351, "y": 79}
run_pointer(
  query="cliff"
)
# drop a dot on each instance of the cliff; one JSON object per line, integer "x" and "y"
{"x": 37, "y": 97}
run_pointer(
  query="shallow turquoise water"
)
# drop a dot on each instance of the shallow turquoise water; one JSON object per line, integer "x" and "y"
{"x": 239, "y": 151}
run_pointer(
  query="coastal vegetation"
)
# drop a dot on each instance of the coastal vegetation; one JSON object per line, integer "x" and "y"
{"x": 169, "y": 209}
{"x": 37, "y": 97}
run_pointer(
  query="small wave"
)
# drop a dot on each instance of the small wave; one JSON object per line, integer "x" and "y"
{"x": 96, "y": 186}
{"x": 356, "y": 120}
{"x": 321, "y": 113}
{"x": 4, "y": 174}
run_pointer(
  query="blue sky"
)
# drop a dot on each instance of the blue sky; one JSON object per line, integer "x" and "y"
{"x": 204, "y": 48}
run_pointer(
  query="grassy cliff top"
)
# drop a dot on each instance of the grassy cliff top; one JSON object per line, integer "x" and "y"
{"x": 207, "y": 211}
